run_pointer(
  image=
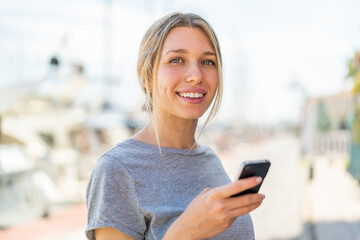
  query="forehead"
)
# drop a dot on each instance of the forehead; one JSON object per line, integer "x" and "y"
{"x": 187, "y": 38}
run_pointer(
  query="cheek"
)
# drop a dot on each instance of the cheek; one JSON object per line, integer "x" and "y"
{"x": 162, "y": 90}
{"x": 213, "y": 81}
{"x": 167, "y": 80}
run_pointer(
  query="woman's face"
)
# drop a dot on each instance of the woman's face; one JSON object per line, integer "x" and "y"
{"x": 187, "y": 74}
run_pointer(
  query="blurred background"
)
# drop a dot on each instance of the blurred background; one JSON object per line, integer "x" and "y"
{"x": 69, "y": 92}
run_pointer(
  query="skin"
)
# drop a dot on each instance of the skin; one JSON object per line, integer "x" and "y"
{"x": 188, "y": 62}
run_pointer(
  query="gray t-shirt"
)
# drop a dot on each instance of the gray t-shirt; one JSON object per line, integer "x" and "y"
{"x": 140, "y": 192}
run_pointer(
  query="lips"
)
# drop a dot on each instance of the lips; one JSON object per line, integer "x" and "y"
{"x": 194, "y": 96}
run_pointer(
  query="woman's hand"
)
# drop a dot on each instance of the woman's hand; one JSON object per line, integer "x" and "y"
{"x": 213, "y": 210}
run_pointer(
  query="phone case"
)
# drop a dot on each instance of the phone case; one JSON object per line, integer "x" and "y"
{"x": 250, "y": 169}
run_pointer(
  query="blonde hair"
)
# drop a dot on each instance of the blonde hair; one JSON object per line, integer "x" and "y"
{"x": 149, "y": 56}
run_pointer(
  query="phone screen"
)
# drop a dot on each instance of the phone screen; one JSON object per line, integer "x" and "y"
{"x": 252, "y": 169}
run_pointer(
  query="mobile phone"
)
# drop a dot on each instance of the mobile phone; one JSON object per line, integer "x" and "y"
{"x": 247, "y": 169}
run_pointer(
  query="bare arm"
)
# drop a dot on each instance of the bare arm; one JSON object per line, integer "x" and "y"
{"x": 213, "y": 211}
{"x": 109, "y": 233}
{"x": 210, "y": 213}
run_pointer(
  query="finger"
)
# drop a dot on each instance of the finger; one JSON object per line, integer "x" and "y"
{"x": 237, "y": 187}
{"x": 244, "y": 210}
{"x": 245, "y": 200}
{"x": 205, "y": 190}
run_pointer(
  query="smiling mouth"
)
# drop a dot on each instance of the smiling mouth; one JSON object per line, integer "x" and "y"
{"x": 191, "y": 94}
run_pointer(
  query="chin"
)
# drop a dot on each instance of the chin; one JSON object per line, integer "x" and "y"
{"x": 192, "y": 115}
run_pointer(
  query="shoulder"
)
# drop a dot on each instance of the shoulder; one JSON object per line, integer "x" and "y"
{"x": 111, "y": 167}
{"x": 119, "y": 156}
{"x": 131, "y": 149}
{"x": 112, "y": 200}
{"x": 119, "y": 162}
{"x": 108, "y": 164}
{"x": 110, "y": 177}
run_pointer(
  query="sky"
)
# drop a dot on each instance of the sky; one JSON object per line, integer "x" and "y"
{"x": 266, "y": 47}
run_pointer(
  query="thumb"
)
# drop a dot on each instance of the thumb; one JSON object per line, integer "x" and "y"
{"x": 238, "y": 186}
{"x": 205, "y": 190}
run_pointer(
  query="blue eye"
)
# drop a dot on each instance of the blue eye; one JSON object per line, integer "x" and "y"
{"x": 176, "y": 60}
{"x": 209, "y": 62}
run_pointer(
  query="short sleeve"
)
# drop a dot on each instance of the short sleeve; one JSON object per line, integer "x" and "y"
{"x": 112, "y": 201}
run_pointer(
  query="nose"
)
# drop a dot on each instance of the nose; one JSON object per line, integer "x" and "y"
{"x": 194, "y": 73}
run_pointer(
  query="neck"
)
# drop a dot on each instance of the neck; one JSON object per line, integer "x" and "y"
{"x": 173, "y": 133}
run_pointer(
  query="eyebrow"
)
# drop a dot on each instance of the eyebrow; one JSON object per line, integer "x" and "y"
{"x": 209, "y": 53}
{"x": 206, "y": 53}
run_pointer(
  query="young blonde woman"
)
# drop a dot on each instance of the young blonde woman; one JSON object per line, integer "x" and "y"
{"x": 161, "y": 183}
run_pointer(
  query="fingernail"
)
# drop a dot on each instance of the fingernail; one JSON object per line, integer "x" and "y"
{"x": 258, "y": 179}
{"x": 263, "y": 196}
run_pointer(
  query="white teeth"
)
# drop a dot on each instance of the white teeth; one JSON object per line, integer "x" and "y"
{"x": 191, "y": 95}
